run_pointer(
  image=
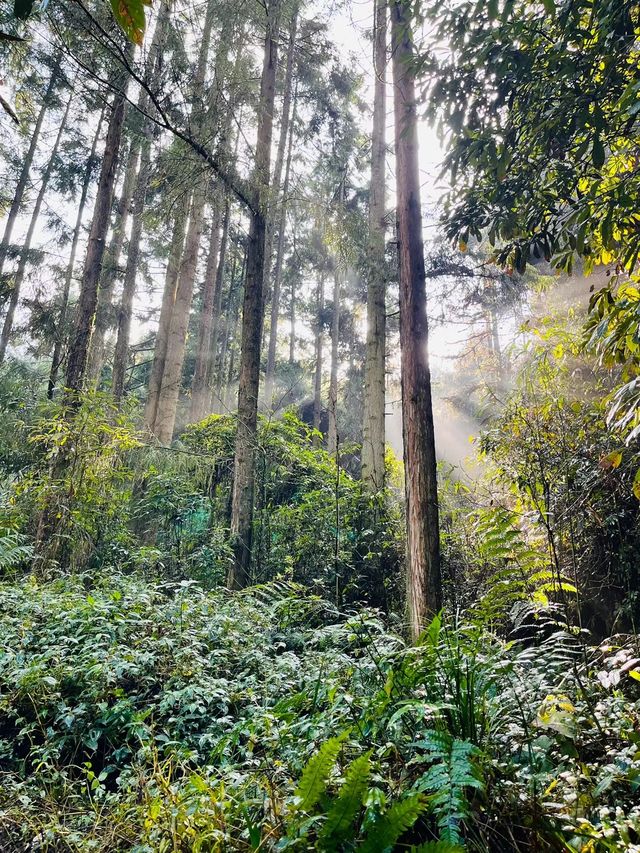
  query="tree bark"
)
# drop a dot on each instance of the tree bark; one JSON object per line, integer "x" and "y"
{"x": 277, "y": 273}
{"x": 424, "y": 593}
{"x": 373, "y": 427}
{"x": 26, "y": 246}
{"x": 177, "y": 338}
{"x": 253, "y": 316}
{"x": 332, "y": 434}
{"x": 168, "y": 299}
{"x": 200, "y": 395}
{"x": 229, "y": 332}
{"x": 317, "y": 381}
{"x": 121, "y": 354}
{"x": 87, "y": 303}
{"x": 110, "y": 266}
{"x": 56, "y": 358}
{"x": 25, "y": 170}
{"x": 166, "y": 403}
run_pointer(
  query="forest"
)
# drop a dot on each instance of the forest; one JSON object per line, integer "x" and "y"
{"x": 320, "y": 426}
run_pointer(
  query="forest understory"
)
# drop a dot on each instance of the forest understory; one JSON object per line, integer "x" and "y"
{"x": 319, "y": 426}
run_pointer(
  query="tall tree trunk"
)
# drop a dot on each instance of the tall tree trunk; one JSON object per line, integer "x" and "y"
{"x": 277, "y": 273}
{"x": 200, "y": 395}
{"x": 373, "y": 427}
{"x": 176, "y": 341}
{"x": 87, "y": 303}
{"x": 121, "y": 354}
{"x": 292, "y": 323}
{"x": 56, "y": 358}
{"x": 217, "y": 308}
{"x": 110, "y": 266}
{"x": 26, "y": 246}
{"x": 253, "y": 316}
{"x": 131, "y": 184}
{"x": 168, "y": 298}
{"x": 317, "y": 382}
{"x": 424, "y": 592}
{"x": 221, "y": 390}
{"x": 279, "y": 162}
{"x": 332, "y": 433}
{"x": 25, "y": 169}
{"x": 169, "y": 389}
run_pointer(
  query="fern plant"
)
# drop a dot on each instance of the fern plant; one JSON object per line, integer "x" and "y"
{"x": 353, "y": 814}
{"x": 14, "y": 549}
{"x": 451, "y": 774}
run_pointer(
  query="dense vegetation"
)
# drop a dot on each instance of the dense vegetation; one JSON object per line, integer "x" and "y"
{"x": 240, "y": 611}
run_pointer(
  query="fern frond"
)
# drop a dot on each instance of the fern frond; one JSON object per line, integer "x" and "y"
{"x": 392, "y": 824}
{"x": 437, "y": 847}
{"x": 452, "y": 772}
{"x": 315, "y": 775}
{"x": 14, "y": 549}
{"x": 340, "y": 817}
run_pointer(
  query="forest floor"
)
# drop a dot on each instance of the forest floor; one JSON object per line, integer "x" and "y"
{"x": 142, "y": 715}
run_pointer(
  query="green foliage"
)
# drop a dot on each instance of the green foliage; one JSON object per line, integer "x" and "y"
{"x": 539, "y": 106}
{"x": 15, "y": 550}
{"x": 451, "y": 774}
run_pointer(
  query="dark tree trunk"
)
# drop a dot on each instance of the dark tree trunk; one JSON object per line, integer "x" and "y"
{"x": 373, "y": 427}
{"x": 317, "y": 381}
{"x": 56, "y": 359}
{"x": 424, "y": 593}
{"x": 25, "y": 170}
{"x": 277, "y": 273}
{"x": 87, "y": 303}
{"x": 111, "y": 266}
{"x": 24, "y": 255}
{"x": 253, "y": 316}
{"x": 121, "y": 354}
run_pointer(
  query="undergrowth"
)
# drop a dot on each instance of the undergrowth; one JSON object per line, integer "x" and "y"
{"x": 159, "y": 717}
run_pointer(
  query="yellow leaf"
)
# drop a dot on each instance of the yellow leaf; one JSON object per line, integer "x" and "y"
{"x": 611, "y": 460}
{"x": 634, "y": 673}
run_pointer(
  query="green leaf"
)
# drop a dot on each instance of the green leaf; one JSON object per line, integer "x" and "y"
{"x": 549, "y": 7}
{"x": 636, "y": 484}
{"x": 341, "y": 815}
{"x": 130, "y": 15}
{"x": 316, "y": 773}
{"x": 392, "y": 824}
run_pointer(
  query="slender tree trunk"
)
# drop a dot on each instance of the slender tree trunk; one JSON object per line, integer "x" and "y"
{"x": 424, "y": 593}
{"x": 332, "y": 434}
{"x": 373, "y": 427}
{"x": 121, "y": 354}
{"x": 169, "y": 389}
{"x": 200, "y": 395}
{"x": 278, "y": 166}
{"x": 110, "y": 266}
{"x": 292, "y": 324}
{"x": 252, "y": 317}
{"x": 217, "y": 308}
{"x": 131, "y": 185}
{"x": 221, "y": 390}
{"x": 87, "y": 303}
{"x": 176, "y": 341}
{"x": 317, "y": 382}
{"x": 56, "y": 358}
{"x": 24, "y": 255}
{"x": 25, "y": 170}
{"x": 277, "y": 274}
{"x": 168, "y": 299}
